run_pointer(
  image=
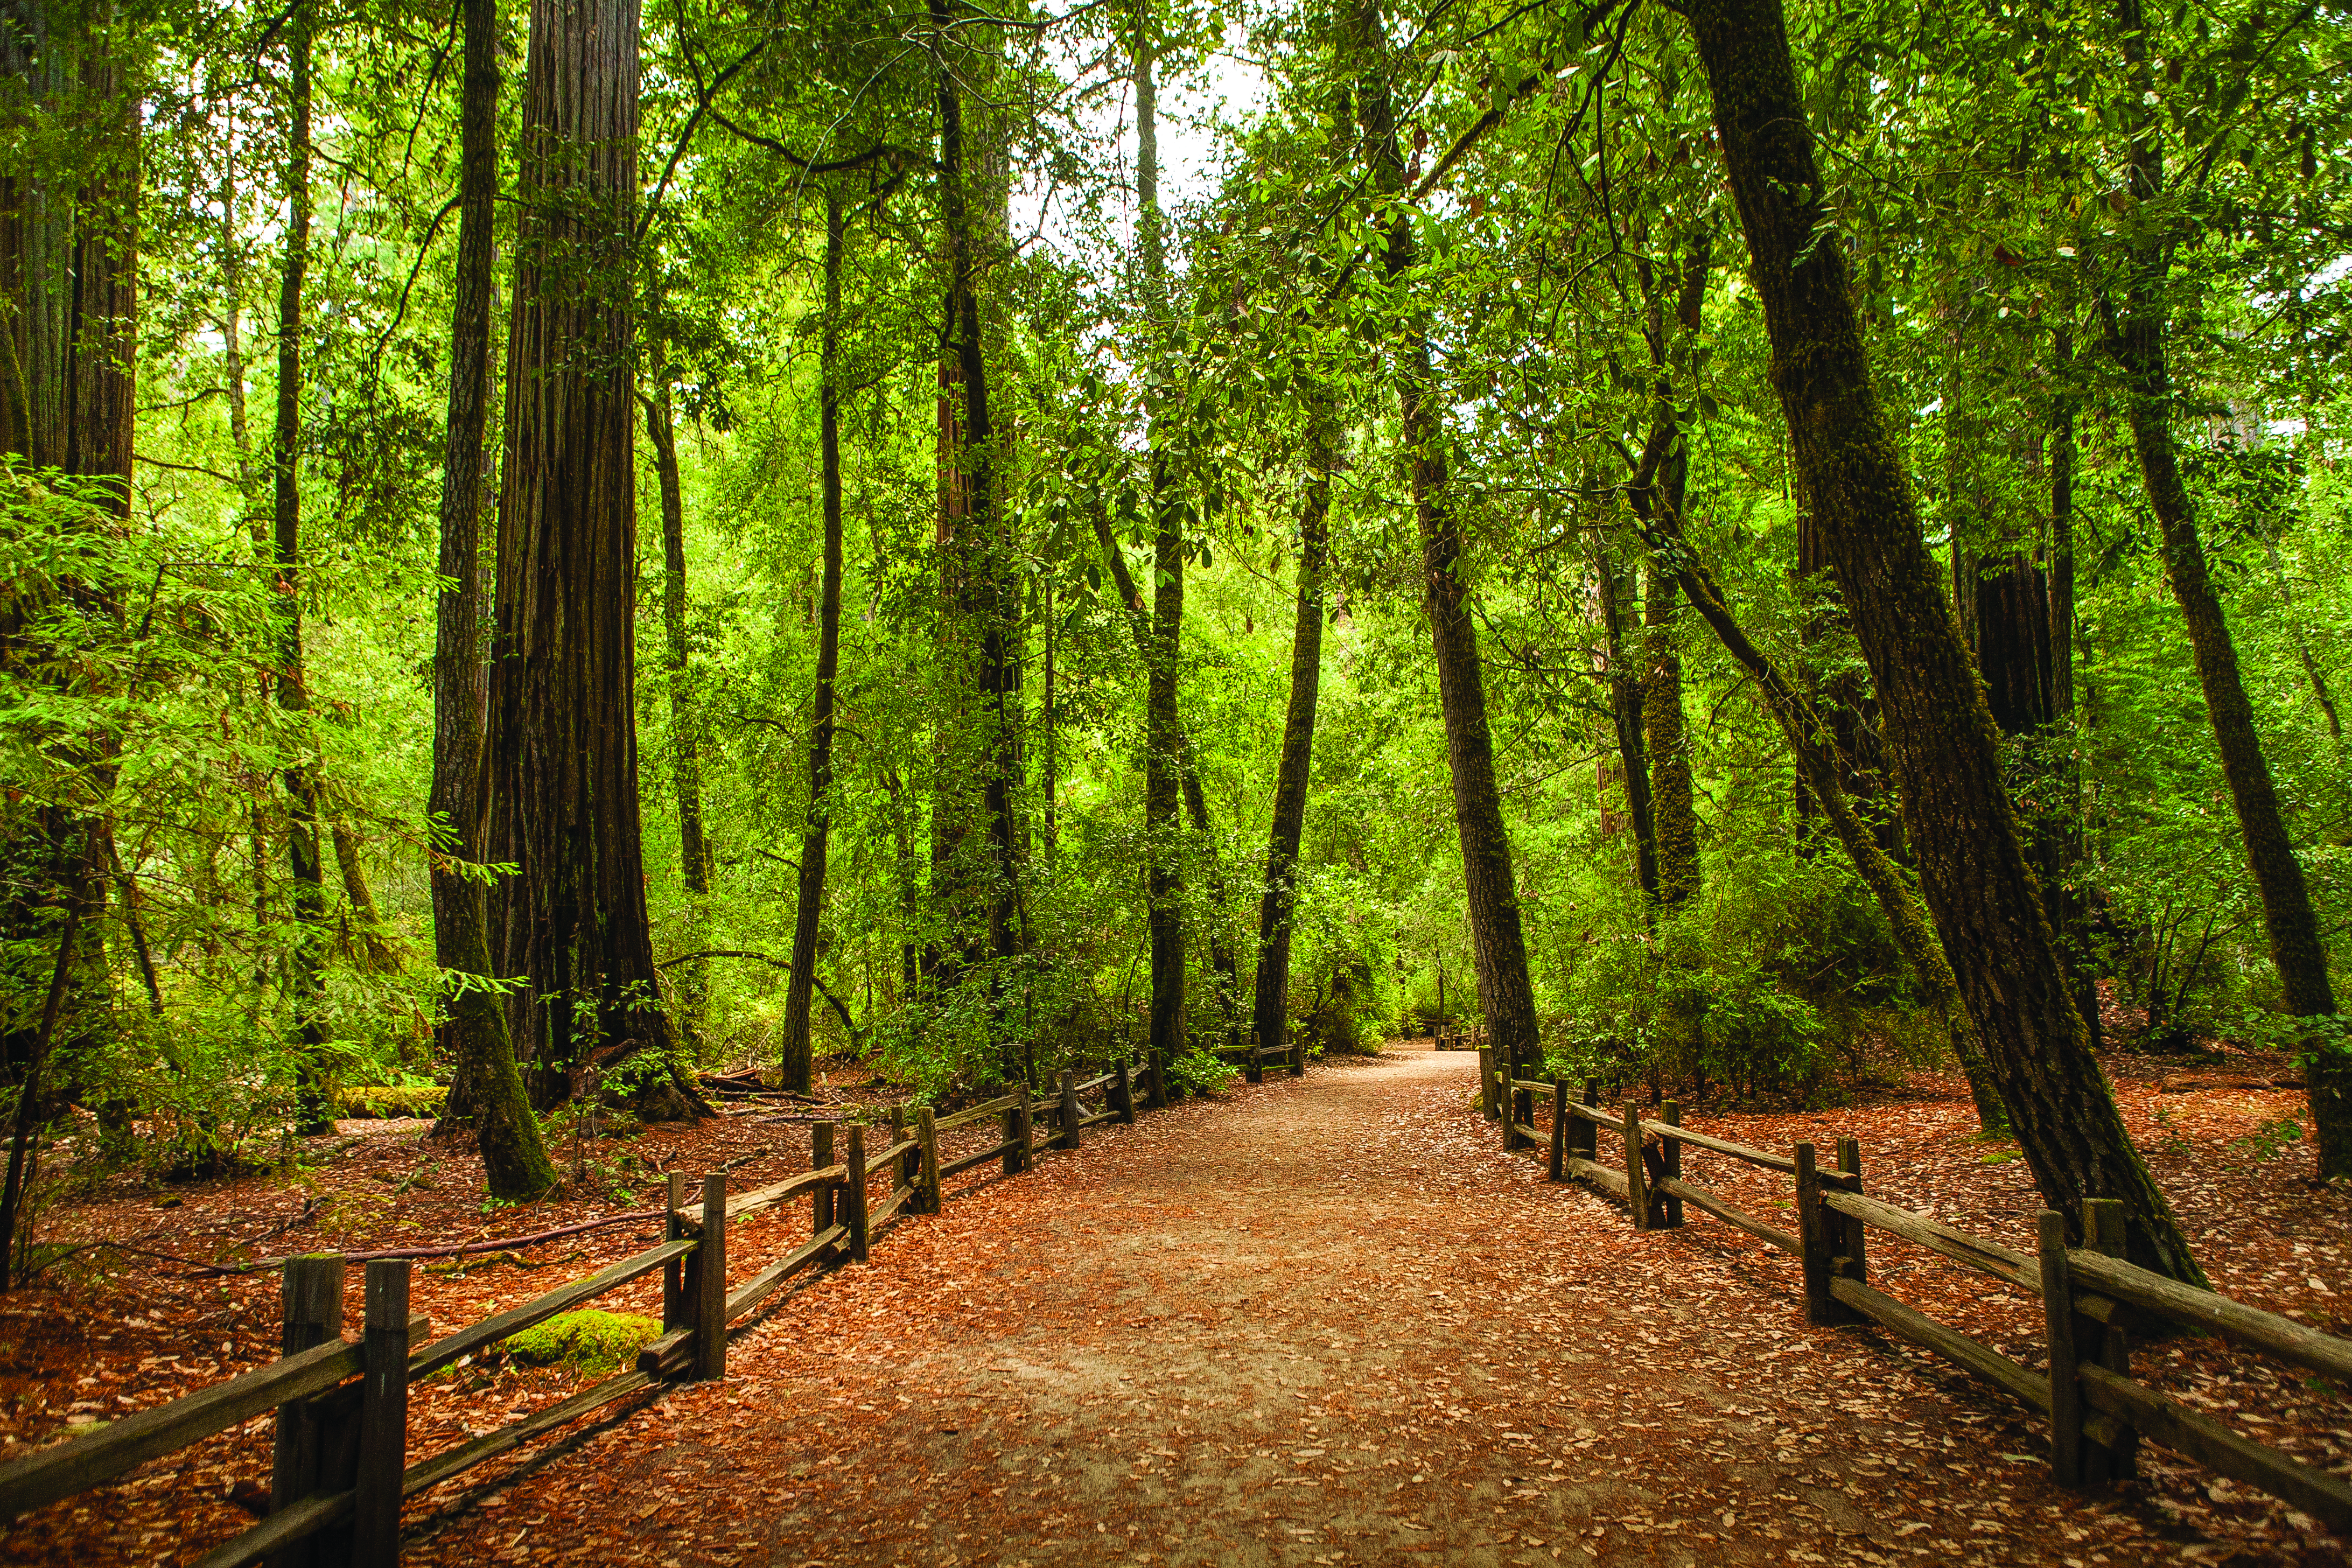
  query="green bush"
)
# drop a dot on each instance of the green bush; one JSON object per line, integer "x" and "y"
{"x": 1198, "y": 1072}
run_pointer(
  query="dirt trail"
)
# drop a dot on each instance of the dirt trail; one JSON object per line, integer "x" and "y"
{"x": 1327, "y": 1322}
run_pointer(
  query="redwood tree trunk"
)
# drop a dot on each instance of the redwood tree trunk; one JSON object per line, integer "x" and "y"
{"x": 2296, "y": 947}
{"x": 1280, "y": 897}
{"x": 571, "y": 922}
{"x": 1972, "y": 867}
{"x": 798, "y": 1063}
{"x": 1505, "y": 992}
{"x": 486, "y": 1090}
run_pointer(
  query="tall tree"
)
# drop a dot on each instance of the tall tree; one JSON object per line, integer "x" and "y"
{"x": 1972, "y": 865}
{"x": 562, "y": 748}
{"x": 808, "y": 909}
{"x": 1506, "y": 993}
{"x": 306, "y": 951}
{"x": 486, "y": 1089}
{"x": 691, "y": 988}
{"x": 2138, "y": 328}
{"x": 1278, "y": 903}
{"x": 1163, "y": 742}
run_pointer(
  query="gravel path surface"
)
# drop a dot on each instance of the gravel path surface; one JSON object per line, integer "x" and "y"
{"x": 1327, "y": 1321}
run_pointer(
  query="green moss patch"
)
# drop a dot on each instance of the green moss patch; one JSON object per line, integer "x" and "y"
{"x": 592, "y": 1342}
{"x": 390, "y": 1101}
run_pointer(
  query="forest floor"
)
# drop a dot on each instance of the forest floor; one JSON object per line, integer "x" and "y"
{"x": 1321, "y": 1322}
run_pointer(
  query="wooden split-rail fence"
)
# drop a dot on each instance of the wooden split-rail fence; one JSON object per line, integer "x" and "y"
{"x": 2095, "y": 1304}
{"x": 339, "y": 1467}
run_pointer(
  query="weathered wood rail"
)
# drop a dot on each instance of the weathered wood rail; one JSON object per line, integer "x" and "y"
{"x": 340, "y": 1464}
{"x": 2094, "y": 1303}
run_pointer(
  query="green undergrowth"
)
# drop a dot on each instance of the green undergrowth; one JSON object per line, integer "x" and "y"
{"x": 590, "y": 1340}
{"x": 391, "y": 1100}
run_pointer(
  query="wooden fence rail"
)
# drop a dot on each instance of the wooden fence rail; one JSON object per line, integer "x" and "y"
{"x": 2095, "y": 1304}
{"x": 339, "y": 1466}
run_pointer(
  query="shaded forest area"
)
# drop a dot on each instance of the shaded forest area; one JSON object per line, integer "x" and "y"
{"x": 555, "y": 549}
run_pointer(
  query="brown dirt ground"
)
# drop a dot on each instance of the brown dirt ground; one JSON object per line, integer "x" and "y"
{"x": 1330, "y": 1321}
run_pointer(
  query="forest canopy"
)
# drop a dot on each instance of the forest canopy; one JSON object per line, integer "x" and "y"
{"x": 555, "y": 547}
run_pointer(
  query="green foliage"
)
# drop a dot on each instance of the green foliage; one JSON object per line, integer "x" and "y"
{"x": 1198, "y": 1072}
{"x": 392, "y": 1101}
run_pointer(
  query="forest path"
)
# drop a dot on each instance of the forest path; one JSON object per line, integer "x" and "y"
{"x": 1324, "y": 1321}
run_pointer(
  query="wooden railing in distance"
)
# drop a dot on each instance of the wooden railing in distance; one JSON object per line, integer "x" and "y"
{"x": 2094, "y": 1301}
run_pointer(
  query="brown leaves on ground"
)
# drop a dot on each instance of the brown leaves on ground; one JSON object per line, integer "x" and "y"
{"x": 1327, "y": 1322}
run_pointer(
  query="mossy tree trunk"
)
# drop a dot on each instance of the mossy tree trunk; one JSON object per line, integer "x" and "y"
{"x": 1973, "y": 869}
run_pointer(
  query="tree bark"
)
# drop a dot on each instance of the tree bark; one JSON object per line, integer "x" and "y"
{"x": 1280, "y": 898}
{"x": 306, "y": 956}
{"x": 1619, "y": 617}
{"x": 2138, "y": 331}
{"x": 1972, "y": 865}
{"x": 1505, "y": 992}
{"x": 798, "y": 1059}
{"x": 485, "y": 1089}
{"x": 691, "y": 988}
{"x": 562, "y": 748}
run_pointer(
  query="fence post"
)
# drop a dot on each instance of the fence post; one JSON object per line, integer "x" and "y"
{"x": 1670, "y": 1158}
{"x": 1123, "y": 1088}
{"x": 1637, "y": 1179}
{"x": 383, "y": 1417}
{"x": 852, "y": 1192}
{"x": 1155, "y": 1082}
{"x": 710, "y": 1284}
{"x": 910, "y": 1170}
{"x": 820, "y": 1156}
{"x": 1485, "y": 1083}
{"x": 2103, "y": 1231}
{"x": 1559, "y": 1167}
{"x": 674, "y": 1228}
{"x": 1298, "y": 1054}
{"x": 1069, "y": 1138}
{"x": 927, "y": 1132}
{"x": 312, "y": 1294}
{"x": 1814, "y": 1242}
{"x": 1257, "y": 1060}
{"x": 1585, "y": 1134}
{"x": 2058, "y": 1318}
{"x": 1851, "y": 1243}
{"x": 1022, "y": 1155}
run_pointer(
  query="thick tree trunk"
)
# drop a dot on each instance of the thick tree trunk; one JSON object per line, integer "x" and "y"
{"x": 306, "y": 956}
{"x": 798, "y": 1059}
{"x": 1972, "y": 867}
{"x": 2296, "y": 947}
{"x": 1271, "y": 1011}
{"x": 562, "y": 744}
{"x": 691, "y": 988}
{"x": 1505, "y": 992}
{"x": 1163, "y": 740}
{"x": 486, "y": 1090}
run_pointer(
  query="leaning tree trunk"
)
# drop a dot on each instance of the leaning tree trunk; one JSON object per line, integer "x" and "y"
{"x": 1272, "y": 1001}
{"x": 691, "y": 988}
{"x": 1972, "y": 867}
{"x": 1505, "y": 992}
{"x": 306, "y": 956}
{"x": 2298, "y": 948}
{"x": 563, "y": 745}
{"x": 798, "y": 1059}
{"x": 486, "y": 1090}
